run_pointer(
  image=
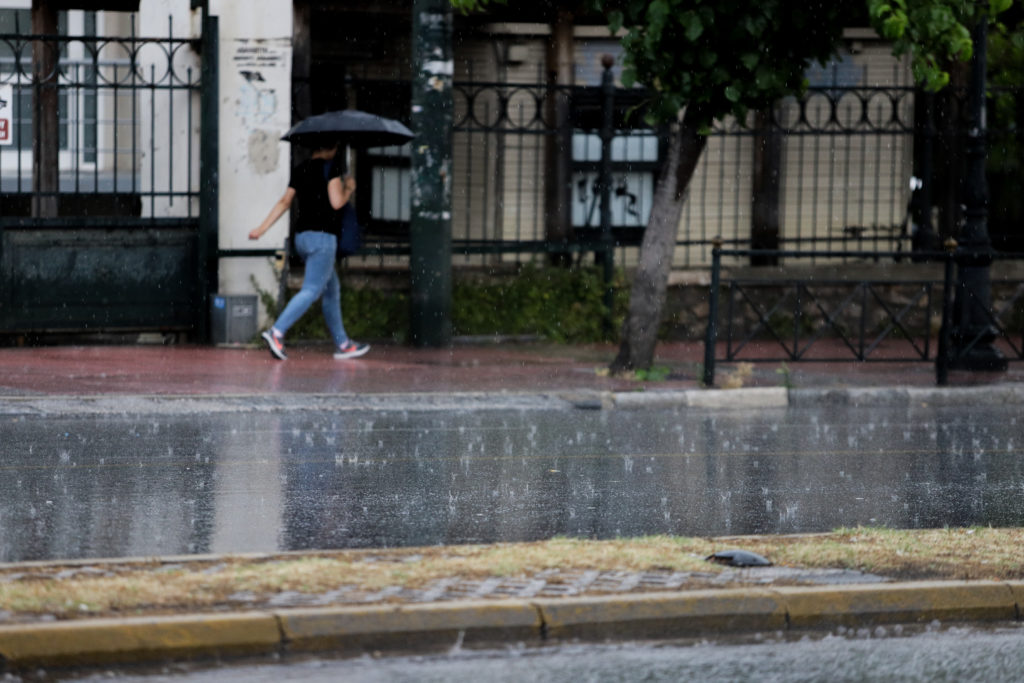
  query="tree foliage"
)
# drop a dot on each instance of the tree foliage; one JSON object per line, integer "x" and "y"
{"x": 722, "y": 56}
{"x": 934, "y": 32}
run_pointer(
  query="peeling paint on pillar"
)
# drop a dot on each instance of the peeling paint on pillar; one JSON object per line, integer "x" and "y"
{"x": 430, "y": 223}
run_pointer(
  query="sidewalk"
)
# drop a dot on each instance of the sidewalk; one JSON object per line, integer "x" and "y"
{"x": 86, "y": 378}
{"x": 183, "y": 370}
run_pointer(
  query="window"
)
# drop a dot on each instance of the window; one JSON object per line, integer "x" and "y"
{"x": 77, "y": 106}
{"x": 392, "y": 183}
{"x": 634, "y": 160}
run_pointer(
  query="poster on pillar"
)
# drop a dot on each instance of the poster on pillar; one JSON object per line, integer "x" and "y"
{"x": 259, "y": 74}
{"x": 255, "y": 95}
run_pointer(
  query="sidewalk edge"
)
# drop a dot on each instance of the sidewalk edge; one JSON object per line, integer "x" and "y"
{"x": 441, "y": 626}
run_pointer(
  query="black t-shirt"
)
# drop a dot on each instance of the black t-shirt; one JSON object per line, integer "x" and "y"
{"x": 313, "y": 207}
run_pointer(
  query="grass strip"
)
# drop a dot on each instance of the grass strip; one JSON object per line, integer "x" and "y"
{"x": 73, "y": 590}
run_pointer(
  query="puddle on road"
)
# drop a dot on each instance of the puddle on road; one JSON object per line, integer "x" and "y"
{"x": 141, "y": 486}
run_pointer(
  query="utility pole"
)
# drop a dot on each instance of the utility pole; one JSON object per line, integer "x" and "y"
{"x": 973, "y": 331}
{"x": 430, "y": 225}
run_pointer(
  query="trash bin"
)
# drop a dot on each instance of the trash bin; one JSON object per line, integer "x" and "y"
{"x": 233, "y": 318}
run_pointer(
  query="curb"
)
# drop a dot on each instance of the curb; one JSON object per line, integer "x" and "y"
{"x": 442, "y": 626}
{"x": 999, "y": 394}
{"x": 716, "y": 399}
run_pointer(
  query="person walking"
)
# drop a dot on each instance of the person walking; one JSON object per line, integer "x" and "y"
{"x": 322, "y": 192}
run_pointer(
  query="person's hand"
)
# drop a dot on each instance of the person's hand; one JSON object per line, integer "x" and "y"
{"x": 350, "y": 183}
{"x": 255, "y": 234}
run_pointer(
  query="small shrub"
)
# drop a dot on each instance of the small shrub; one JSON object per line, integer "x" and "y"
{"x": 563, "y": 305}
{"x": 556, "y": 304}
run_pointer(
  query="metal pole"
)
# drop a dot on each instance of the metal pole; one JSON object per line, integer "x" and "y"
{"x": 972, "y": 332}
{"x": 430, "y": 226}
{"x": 605, "y": 182}
{"x": 924, "y": 237}
{"x": 942, "y": 358}
{"x": 711, "y": 338}
{"x": 208, "y": 174}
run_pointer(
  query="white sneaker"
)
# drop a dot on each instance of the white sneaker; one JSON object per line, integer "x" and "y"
{"x": 351, "y": 349}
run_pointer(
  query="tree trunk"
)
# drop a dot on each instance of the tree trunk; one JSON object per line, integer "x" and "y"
{"x": 45, "y": 123}
{"x": 650, "y": 280}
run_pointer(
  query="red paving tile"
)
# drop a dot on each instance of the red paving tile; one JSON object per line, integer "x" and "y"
{"x": 203, "y": 370}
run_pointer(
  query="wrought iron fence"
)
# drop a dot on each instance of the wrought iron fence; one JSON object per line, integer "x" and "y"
{"x": 107, "y": 220}
{"x": 844, "y": 163}
{"x": 126, "y": 110}
{"x": 897, "y": 319}
{"x": 843, "y": 159}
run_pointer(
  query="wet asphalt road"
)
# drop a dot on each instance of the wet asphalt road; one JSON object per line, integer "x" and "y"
{"x": 963, "y": 654}
{"x": 123, "y": 485}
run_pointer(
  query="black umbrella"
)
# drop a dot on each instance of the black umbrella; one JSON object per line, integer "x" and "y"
{"x": 349, "y": 127}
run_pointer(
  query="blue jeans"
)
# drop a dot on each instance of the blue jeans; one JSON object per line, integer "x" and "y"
{"x": 317, "y": 250}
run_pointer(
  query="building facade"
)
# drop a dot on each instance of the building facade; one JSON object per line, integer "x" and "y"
{"x": 148, "y": 138}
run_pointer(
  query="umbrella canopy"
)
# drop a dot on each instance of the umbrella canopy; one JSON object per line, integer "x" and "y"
{"x": 349, "y": 127}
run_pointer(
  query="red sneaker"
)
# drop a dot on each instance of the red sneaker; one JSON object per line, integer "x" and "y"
{"x": 276, "y": 343}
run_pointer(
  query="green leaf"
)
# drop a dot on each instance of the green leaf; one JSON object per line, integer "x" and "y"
{"x": 615, "y": 21}
{"x": 764, "y": 79}
{"x": 894, "y": 27}
{"x": 879, "y": 10}
{"x": 628, "y": 77}
{"x": 657, "y": 12}
{"x": 997, "y": 6}
{"x": 693, "y": 27}
{"x": 732, "y": 94}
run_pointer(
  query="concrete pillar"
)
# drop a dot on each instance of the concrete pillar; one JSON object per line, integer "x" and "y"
{"x": 255, "y": 111}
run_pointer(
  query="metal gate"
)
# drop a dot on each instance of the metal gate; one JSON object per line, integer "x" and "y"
{"x": 107, "y": 220}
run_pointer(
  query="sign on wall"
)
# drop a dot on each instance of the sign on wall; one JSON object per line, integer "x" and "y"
{"x": 6, "y": 114}
{"x": 259, "y": 80}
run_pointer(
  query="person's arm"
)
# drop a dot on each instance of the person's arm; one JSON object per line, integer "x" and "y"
{"x": 276, "y": 211}
{"x": 339, "y": 191}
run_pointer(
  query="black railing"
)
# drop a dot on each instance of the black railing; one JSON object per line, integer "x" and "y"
{"x": 876, "y": 320}
{"x": 108, "y": 194}
{"x": 845, "y": 158}
{"x": 119, "y": 101}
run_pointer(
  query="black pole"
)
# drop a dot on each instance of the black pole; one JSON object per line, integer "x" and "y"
{"x": 605, "y": 182}
{"x": 711, "y": 337}
{"x": 209, "y": 174}
{"x": 923, "y": 236}
{"x": 973, "y": 333}
{"x": 942, "y": 358}
{"x": 430, "y": 226}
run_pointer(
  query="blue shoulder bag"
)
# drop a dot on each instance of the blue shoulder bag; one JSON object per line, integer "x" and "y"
{"x": 351, "y": 239}
{"x": 349, "y": 232}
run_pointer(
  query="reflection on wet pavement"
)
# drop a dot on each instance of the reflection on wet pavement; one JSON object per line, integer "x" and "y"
{"x": 158, "y": 485}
